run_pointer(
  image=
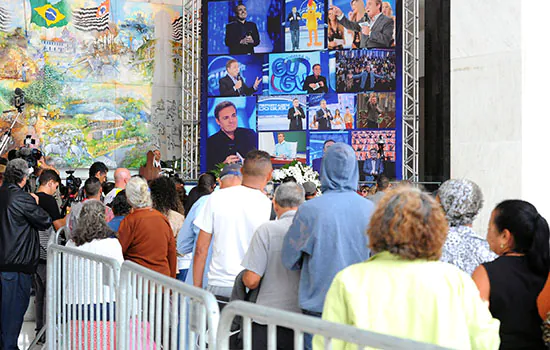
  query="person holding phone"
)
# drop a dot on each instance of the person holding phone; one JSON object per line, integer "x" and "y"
{"x": 230, "y": 143}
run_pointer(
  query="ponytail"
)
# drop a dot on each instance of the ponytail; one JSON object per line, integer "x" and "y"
{"x": 530, "y": 231}
{"x": 539, "y": 253}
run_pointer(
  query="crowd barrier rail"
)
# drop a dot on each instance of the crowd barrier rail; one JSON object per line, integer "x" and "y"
{"x": 80, "y": 299}
{"x": 86, "y": 291}
{"x": 56, "y": 238}
{"x": 304, "y": 324}
{"x": 159, "y": 312}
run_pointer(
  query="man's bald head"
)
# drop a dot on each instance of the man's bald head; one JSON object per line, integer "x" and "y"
{"x": 122, "y": 176}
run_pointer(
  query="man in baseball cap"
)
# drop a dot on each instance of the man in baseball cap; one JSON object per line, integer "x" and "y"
{"x": 310, "y": 189}
{"x": 231, "y": 175}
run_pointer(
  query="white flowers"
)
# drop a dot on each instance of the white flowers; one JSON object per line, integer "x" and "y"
{"x": 302, "y": 173}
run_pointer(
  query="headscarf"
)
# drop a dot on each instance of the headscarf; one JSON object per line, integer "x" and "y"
{"x": 461, "y": 200}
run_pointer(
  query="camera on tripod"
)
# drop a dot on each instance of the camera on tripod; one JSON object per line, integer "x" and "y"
{"x": 31, "y": 155}
{"x": 69, "y": 192}
{"x": 19, "y": 100}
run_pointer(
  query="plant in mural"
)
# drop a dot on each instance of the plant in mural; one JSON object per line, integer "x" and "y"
{"x": 88, "y": 70}
{"x": 47, "y": 87}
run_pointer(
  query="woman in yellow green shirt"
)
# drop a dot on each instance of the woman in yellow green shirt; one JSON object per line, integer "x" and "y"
{"x": 403, "y": 290}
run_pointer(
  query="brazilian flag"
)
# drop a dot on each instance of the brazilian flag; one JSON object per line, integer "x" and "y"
{"x": 47, "y": 15}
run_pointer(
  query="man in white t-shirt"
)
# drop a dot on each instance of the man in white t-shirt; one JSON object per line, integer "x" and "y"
{"x": 228, "y": 221}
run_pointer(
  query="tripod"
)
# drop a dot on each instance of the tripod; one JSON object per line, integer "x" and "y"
{"x": 6, "y": 137}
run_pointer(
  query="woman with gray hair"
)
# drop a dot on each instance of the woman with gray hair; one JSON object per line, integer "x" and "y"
{"x": 92, "y": 235}
{"x": 462, "y": 201}
{"x": 145, "y": 234}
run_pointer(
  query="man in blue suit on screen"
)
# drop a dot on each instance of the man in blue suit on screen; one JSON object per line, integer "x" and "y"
{"x": 233, "y": 84}
{"x": 241, "y": 36}
{"x": 373, "y": 166}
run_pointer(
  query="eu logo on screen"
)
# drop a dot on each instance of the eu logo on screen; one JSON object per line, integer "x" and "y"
{"x": 288, "y": 72}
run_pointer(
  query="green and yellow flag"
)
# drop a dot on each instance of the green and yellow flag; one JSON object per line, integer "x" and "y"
{"x": 47, "y": 15}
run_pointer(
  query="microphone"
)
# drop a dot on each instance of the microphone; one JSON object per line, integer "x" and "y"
{"x": 239, "y": 78}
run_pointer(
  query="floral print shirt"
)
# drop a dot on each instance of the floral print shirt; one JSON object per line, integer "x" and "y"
{"x": 466, "y": 249}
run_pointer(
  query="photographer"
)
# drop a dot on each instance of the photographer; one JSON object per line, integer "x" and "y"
{"x": 20, "y": 219}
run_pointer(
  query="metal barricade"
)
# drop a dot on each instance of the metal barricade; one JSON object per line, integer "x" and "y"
{"x": 304, "y": 324}
{"x": 81, "y": 297}
{"x": 155, "y": 311}
{"x": 59, "y": 236}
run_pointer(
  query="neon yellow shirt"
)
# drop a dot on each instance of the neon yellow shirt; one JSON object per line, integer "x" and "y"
{"x": 426, "y": 301}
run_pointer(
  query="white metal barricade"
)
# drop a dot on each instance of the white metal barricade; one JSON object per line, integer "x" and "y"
{"x": 59, "y": 234}
{"x": 304, "y": 324}
{"x": 155, "y": 311}
{"x": 81, "y": 296}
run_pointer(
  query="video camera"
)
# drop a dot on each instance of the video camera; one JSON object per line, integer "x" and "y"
{"x": 30, "y": 155}
{"x": 69, "y": 192}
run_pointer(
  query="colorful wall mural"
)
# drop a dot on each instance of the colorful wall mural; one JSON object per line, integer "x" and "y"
{"x": 102, "y": 79}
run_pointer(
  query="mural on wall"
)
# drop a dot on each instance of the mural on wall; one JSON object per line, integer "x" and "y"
{"x": 102, "y": 80}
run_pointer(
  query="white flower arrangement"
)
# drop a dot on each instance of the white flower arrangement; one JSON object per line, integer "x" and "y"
{"x": 302, "y": 173}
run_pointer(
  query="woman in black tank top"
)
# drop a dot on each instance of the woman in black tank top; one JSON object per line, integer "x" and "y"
{"x": 511, "y": 283}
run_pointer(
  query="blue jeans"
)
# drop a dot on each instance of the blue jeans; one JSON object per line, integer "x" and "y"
{"x": 295, "y": 38}
{"x": 15, "y": 293}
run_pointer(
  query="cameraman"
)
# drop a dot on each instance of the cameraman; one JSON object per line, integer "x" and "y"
{"x": 20, "y": 220}
{"x": 49, "y": 182}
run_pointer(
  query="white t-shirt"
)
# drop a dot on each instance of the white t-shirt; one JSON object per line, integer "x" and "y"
{"x": 232, "y": 215}
{"x": 108, "y": 247}
{"x": 111, "y": 195}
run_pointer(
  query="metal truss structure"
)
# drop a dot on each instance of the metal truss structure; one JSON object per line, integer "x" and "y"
{"x": 191, "y": 90}
{"x": 411, "y": 89}
{"x": 191, "y": 75}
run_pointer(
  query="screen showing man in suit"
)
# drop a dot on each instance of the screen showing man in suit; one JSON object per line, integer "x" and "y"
{"x": 373, "y": 166}
{"x": 315, "y": 83}
{"x": 241, "y": 36}
{"x": 233, "y": 84}
{"x": 295, "y": 115}
{"x": 231, "y": 143}
{"x": 375, "y": 28}
{"x": 294, "y": 21}
{"x": 323, "y": 117}
{"x": 316, "y": 163}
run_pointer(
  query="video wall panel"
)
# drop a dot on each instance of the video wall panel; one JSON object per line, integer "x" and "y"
{"x": 287, "y": 76}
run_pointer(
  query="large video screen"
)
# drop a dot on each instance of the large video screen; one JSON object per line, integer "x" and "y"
{"x": 288, "y": 76}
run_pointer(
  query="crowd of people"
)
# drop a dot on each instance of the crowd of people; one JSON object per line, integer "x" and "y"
{"x": 394, "y": 260}
{"x": 361, "y": 73}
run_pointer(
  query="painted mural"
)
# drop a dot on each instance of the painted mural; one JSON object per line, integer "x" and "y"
{"x": 102, "y": 80}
